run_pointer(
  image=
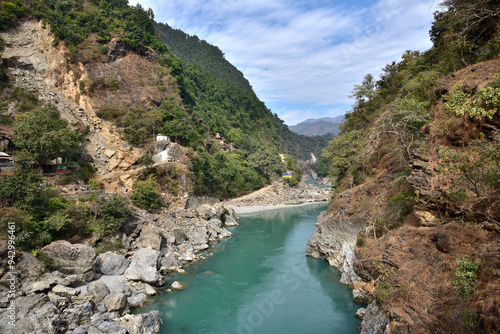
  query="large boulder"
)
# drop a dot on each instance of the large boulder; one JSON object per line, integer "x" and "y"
{"x": 99, "y": 290}
{"x": 147, "y": 323}
{"x": 150, "y": 237}
{"x": 112, "y": 264}
{"x": 29, "y": 265}
{"x": 374, "y": 321}
{"x": 208, "y": 212}
{"x": 35, "y": 314}
{"x": 198, "y": 239}
{"x": 229, "y": 221}
{"x": 144, "y": 267}
{"x": 115, "y": 302}
{"x": 72, "y": 258}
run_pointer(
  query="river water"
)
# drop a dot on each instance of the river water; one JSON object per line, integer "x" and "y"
{"x": 261, "y": 282}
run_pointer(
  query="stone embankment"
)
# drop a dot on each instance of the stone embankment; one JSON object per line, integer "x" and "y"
{"x": 75, "y": 290}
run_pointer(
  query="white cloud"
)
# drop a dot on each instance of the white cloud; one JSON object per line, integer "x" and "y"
{"x": 293, "y": 52}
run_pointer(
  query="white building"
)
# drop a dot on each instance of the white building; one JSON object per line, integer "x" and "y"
{"x": 161, "y": 137}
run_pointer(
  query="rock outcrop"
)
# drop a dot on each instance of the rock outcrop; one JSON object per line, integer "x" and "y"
{"x": 72, "y": 258}
{"x": 374, "y": 321}
{"x": 111, "y": 264}
{"x": 334, "y": 240}
{"x": 145, "y": 267}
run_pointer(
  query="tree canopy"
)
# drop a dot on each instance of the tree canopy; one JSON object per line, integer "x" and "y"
{"x": 44, "y": 134}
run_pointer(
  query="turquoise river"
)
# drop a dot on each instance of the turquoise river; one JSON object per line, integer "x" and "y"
{"x": 261, "y": 282}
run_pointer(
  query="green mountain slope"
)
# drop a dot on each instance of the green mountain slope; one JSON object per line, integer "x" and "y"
{"x": 223, "y": 98}
{"x": 205, "y": 95}
{"x": 198, "y": 52}
{"x": 319, "y": 126}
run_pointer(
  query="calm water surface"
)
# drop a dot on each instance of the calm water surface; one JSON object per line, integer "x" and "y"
{"x": 260, "y": 281}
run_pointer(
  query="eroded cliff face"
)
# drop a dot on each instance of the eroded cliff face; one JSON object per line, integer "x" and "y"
{"x": 349, "y": 213}
{"x": 409, "y": 268}
{"x": 80, "y": 88}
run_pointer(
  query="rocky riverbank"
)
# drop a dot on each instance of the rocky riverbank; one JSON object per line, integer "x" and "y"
{"x": 69, "y": 288}
{"x": 278, "y": 195}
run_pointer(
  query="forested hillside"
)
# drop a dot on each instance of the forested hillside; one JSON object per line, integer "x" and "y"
{"x": 205, "y": 94}
{"x": 416, "y": 171}
{"x": 211, "y": 84}
{"x": 194, "y": 51}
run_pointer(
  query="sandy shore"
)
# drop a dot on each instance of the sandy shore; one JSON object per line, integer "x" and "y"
{"x": 247, "y": 210}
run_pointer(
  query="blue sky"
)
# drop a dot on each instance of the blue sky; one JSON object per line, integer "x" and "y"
{"x": 303, "y": 57}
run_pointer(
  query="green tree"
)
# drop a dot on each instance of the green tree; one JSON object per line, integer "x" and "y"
{"x": 45, "y": 135}
{"x": 145, "y": 194}
{"x": 111, "y": 213}
{"x": 364, "y": 92}
{"x": 346, "y": 155}
{"x": 24, "y": 188}
{"x": 268, "y": 162}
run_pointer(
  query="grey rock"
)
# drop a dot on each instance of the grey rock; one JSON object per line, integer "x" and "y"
{"x": 73, "y": 281}
{"x": 176, "y": 286}
{"x": 79, "y": 330}
{"x": 229, "y": 221}
{"x": 208, "y": 212}
{"x": 43, "y": 285}
{"x": 180, "y": 236}
{"x": 335, "y": 242}
{"x": 147, "y": 323}
{"x": 216, "y": 221}
{"x": 112, "y": 264}
{"x": 29, "y": 265}
{"x": 140, "y": 287}
{"x": 80, "y": 315}
{"x": 169, "y": 263}
{"x": 72, "y": 258}
{"x": 224, "y": 234}
{"x": 360, "y": 313}
{"x": 374, "y": 321}
{"x": 198, "y": 239}
{"x": 137, "y": 300}
{"x": 101, "y": 307}
{"x": 93, "y": 330}
{"x": 36, "y": 314}
{"x": 64, "y": 291}
{"x": 98, "y": 290}
{"x": 359, "y": 296}
{"x": 115, "y": 302}
{"x": 116, "y": 284}
{"x": 109, "y": 327}
{"x": 150, "y": 237}
{"x": 144, "y": 267}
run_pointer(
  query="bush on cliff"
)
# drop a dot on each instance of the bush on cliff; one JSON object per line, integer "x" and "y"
{"x": 145, "y": 194}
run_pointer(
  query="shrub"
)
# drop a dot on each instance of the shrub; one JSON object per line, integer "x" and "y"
{"x": 458, "y": 196}
{"x": 483, "y": 104}
{"x": 145, "y": 194}
{"x": 111, "y": 213}
{"x": 402, "y": 204}
{"x": 105, "y": 49}
{"x": 465, "y": 278}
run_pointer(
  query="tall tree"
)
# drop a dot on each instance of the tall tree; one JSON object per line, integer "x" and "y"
{"x": 45, "y": 135}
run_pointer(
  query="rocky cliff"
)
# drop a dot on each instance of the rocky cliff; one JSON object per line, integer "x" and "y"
{"x": 79, "y": 89}
{"x": 409, "y": 263}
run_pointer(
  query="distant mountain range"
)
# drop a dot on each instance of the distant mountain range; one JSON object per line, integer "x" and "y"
{"x": 319, "y": 126}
